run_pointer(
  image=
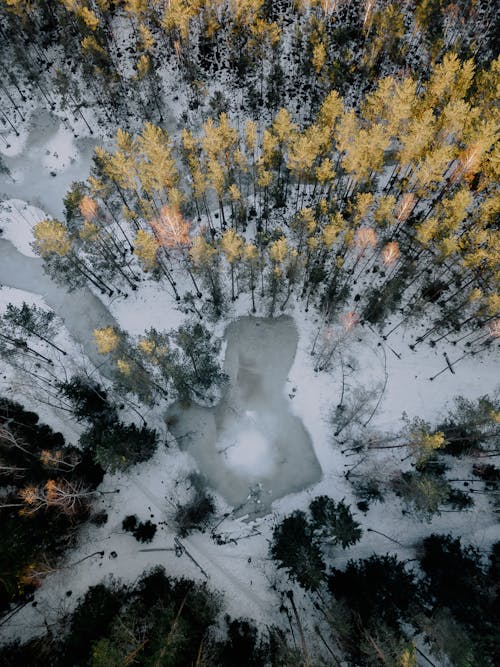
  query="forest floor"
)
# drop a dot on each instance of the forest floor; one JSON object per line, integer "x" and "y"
{"x": 387, "y": 377}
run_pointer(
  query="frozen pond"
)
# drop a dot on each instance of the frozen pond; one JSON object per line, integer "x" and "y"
{"x": 81, "y": 310}
{"x": 251, "y": 440}
{"x": 50, "y": 161}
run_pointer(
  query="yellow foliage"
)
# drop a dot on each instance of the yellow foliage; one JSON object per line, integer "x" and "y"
{"x": 88, "y": 17}
{"x": 308, "y": 220}
{"x": 124, "y": 140}
{"x": 124, "y": 366}
{"x": 278, "y": 251}
{"x": 234, "y": 192}
{"x": 143, "y": 66}
{"x": 118, "y": 167}
{"x": 364, "y": 151}
{"x": 325, "y": 172}
{"x": 158, "y": 169}
{"x": 364, "y": 201}
{"x": 391, "y": 103}
{"x": 424, "y": 443}
{"x": 146, "y": 37}
{"x": 448, "y": 246}
{"x": 475, "y": 295}
{"x": 250, "y": 135}
{"x": 135, "y": 7}
{"x": 283, "y": 127}
{"x": 319, "y": 57}
{"x": 416, "y": 140}
{"x": 90, "y": 44}
{"x": 88, "y": 231}
{"x": 269, "y": 147}
{"x": 493, "y": 304}
{"x": 146, "y": 249}
{"x": 347, "y": 130}
{"x": 451, "y": 79}
{"x": 147, "y": 346}
{"x": 455, "y": 208}
{"x": 265, "y": 178}
{"x": 330, "y": 110}
{"x": 189, "y": 142}
{"x": 51, "y": 237}
{"x": 201, "y": 252}
{"x": 434, "y": 165}
{"x": 384, "y": 212}
{"x": 217, "y": 176}
{"x": 177, "y": 17}
{"x": 427, "y": 231}
{"x": 263, "y": 31}
{"x": 408, "y": 658}
{"x": 107, "y": 340}
{"x": 333, "y": 229}
{"x": 251, "y": 253}
{"x": 96, "y": 186}
{"x": 232, "y": 246}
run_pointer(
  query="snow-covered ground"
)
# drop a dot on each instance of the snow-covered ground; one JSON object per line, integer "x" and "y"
{"x": 46, "y": 163}
{"x": 394, "y": 378}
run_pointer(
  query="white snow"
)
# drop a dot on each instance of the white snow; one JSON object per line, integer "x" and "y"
{"x": 60, "y": 150}
{"x": 251, "y": 455}
{"x": 50, "y": 161}
{"x": 16, "y": 221}
{"x": 244, "y": 450}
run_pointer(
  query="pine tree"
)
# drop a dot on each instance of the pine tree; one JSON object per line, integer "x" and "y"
{"x": 107, "y": 340}
{"x": 204, "y": 258}
{"x": 146, "y": 249}
{"x": 232, "y": 247}
{"x": 31, "y": 321}
{"x": 51, "y": 237}
{"x": 252, "y": 263}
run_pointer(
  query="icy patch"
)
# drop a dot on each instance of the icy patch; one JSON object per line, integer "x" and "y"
{"x": 251, "y": 447}
{"x": 48, "y": 162}
{"x": 81, "y": 310}
{"x": 251, "y": 455}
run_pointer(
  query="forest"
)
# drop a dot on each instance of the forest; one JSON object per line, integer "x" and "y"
{"x": 249, "y": 333}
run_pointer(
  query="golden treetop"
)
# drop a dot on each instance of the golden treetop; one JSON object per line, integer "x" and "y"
{"x": 51, "y": 236}
{"x": 107, "y": 340}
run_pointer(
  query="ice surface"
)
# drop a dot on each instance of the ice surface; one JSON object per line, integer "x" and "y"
{"x": 81, "y": 310}
{"x": 251, "y": 454}
{"x": 251, "y": 438}
{"x": 50, "y": 161}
